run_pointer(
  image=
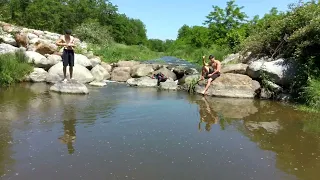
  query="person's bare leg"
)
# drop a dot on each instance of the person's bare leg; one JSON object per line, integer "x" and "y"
{"x": 71, "y": 71}
{"x": 204, "y": 70}
{"x": 64, "y": 73}
{"x": 207, "y": 86}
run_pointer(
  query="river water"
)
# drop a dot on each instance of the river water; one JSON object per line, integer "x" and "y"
{"x": 119, "y": 132}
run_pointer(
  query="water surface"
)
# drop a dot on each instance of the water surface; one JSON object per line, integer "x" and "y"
{"x": 120, "y": 132}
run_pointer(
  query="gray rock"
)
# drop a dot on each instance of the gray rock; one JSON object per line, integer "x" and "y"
{"x": 98, "y": 83}
{"x": 229, "y": 85}
{"x": 70, "y": 87}
{"x": 7, "y": 48}
{"x": 38, "y": 75}
{"x": 169, "y": 85}
{"x": 8, "y": 39}
{"x": 235, "y": 68}
{"x": 95, "y": 61}
{"x": 167, "y": 73}
{"x": 106, "y": 66}
{"x": 142, "y": 82}
{"x": 121, "y": 74}
{"x": 141, "y": 70}
{"x": 82, "y": 60}
{"x": 80, "y": 73}
{"x": 99, "y": 73}
{"x": 279, "y": 71}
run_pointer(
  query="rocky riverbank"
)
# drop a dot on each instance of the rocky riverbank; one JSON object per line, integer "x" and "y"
{"x": 239, "y": 79}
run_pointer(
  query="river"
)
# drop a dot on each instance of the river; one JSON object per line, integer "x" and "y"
{"x": 119, "y": 132}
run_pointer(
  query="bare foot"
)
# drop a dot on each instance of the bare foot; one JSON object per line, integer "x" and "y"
{"x": 203, "y": 93}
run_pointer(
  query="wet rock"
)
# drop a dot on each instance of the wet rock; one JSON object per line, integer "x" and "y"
{"x": 142, "y": 82}
{"x": 98, "y": 83}
{"x": 169, "y": 85}
{"x": 70, "y": 87}
{"x": 271, "y": 127}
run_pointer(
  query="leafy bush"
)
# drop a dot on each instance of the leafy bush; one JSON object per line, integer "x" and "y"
{"x": 194, "y": 55}
{"x": 93, "y": 32}
{"x": 13, "y": 68}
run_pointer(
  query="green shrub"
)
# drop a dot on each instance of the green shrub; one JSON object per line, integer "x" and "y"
{"x": 312, "y": 93}
{"x": 194, "y": 55}
{"x": 13, "y": 68}
{"x": 93, "y": 32}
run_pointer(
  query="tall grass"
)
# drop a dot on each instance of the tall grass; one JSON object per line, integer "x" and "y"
{"x": 312, "y": 93}
{"x": 115, "y": 52}
{"x": 13, "y": 68}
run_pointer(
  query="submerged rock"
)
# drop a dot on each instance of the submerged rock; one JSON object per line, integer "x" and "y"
{"x": 70, "y": 87}
{"x": 142, "y": 82}
{"x": 98, "y": 83}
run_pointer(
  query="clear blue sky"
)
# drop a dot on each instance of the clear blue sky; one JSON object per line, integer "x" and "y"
{"x": 163, "y": 18}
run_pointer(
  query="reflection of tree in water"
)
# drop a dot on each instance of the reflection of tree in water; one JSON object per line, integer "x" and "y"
{"x": 207, "y": 114}
{"x": 69, "y": 123}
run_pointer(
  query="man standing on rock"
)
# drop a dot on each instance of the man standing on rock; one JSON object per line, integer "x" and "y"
{"x": 210, "y": 71}
{"x": 67, "y": 41}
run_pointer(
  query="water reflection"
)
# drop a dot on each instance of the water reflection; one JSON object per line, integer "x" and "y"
{"x": 69, "y": 126}
{"x": 207, "y": 114}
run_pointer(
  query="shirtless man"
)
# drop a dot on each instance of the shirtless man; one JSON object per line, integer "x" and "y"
{"x": 67, "y": 41}
{"x": 210, "y": 71}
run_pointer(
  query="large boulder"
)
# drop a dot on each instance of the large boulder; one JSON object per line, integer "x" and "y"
{"x": 167, "y": 73}
{"x": 99, "y": 73}
{"x": 231, "y": 58}
{"x": 80, "y": 73}
{"x": 95, "y": 61}
{"x": 54, "y": 59}
{"x": 38, "y": 75}
{"x": 106, "y": 66}
{"x": 121, "y": 74}
{"x": 37, "y": 59}
{"x": 127, "y": 63}
{"x": 22, "y": 39}
{"x": 169, "y": 85}
{"x": 8, "y": 39}
{"x": 239, "y": 68}
{"x": 230, "y": 85}
{"x": 188, "y": 81}
{"x": 7, "y": 48}
{"x": 82, "y": 60}
{"x": 142, "y": 82}
{"x": 70, "y": 87}
{"x": 141, "y": 70}
{"x": 46, "y": 48}
{"x": 32, "y": 36}
{"x": 279, "y": 71}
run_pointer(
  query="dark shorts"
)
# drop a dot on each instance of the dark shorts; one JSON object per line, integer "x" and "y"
{"x": 213, "y": 77}
{"x": 68, "y": 57}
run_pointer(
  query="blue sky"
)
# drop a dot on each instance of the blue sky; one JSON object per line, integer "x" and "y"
{"x": 163, "y": 18}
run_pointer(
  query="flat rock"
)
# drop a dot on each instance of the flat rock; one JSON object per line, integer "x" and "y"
{"x": 230, "y": 85}
{"x": 169, "y": 85}
{"x": 70, "y": 87}
{"x": 239, "y": 68}
{"x": 142, "y": 82}
{"x": 98, "y": 83}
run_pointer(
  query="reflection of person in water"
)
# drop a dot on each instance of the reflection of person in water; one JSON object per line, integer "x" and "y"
{"x": 207, "y": 115}
{"x": 69, "y": 123}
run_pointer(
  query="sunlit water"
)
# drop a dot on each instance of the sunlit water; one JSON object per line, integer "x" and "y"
{"x": 119, "y": 132}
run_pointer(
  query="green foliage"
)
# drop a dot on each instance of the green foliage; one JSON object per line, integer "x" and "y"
{"x": 115, "y": 52}
{"x": 192, "y": 85}
{"x": 13, "y": 68}
{"x": 312, "y": 93}
{"x": 93, "y": 32}
{"x": 159, "y": 45}
{"x": 58, "y": 15}
{"x": 194, "y": 55}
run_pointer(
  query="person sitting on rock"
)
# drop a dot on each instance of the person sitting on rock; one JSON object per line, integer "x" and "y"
{"x": 67, "y": 41}
{"x": 210, "y": 71}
